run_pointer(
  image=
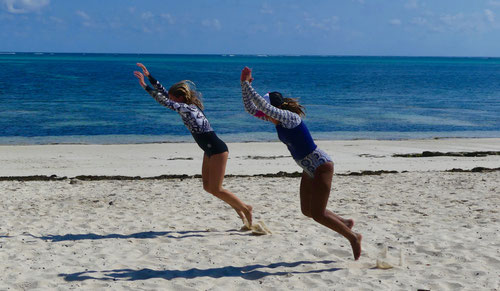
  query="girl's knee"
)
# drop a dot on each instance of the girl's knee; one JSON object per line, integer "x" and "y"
{"x": 206, "y": 186}
{"x": 324, "y": 168}
{"x": 306, "y": 211}
{"x": 214, "y": 191}
{"x": 318, "y": 216}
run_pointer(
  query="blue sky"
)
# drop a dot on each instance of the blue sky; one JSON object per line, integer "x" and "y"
{"x": 323, "y": 27}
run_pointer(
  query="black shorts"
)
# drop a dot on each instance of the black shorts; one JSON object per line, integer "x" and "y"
{"x": 210, "y": 143}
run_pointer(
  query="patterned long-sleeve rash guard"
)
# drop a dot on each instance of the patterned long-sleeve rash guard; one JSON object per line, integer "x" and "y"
{"x": 253, "y": 102}
{"x": 192, "y": 116}
{"x": 292, "y": 131}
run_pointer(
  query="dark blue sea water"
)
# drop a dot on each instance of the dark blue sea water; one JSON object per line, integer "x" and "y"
{"x": 94, "y": 98}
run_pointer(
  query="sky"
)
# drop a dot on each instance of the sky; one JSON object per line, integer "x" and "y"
{"x": 283, "y": 27}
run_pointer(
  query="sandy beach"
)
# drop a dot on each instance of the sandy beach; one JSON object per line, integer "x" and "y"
{"x": 94, "y": 217}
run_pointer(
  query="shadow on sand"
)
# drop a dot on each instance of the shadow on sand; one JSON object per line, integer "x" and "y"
{"x": 139, "y": 235}
{"x": 250, "y": 272}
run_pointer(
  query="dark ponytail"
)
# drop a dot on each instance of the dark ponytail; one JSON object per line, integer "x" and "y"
{"x": 292, "y": 104}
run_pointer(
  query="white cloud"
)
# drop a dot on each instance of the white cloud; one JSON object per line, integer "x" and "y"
{"x": 489, "y": 15}
{"x": 56, "y": 19}
{"x": 464, "y": 22}
{"x": 460, "y": 22}
{"x": 24, "y": 6}
{"x": 419, "y": 21}
{"x": 83, "y": 15}
{"x": 217, "y": 24}
{"x": 113, "y": 22}
{"x": 86, "y": 19}
{"x": 494, "y": 3}
{"x": 412, "y": 4}
{"x": 212, "y": 23}
{"x": 395, "y": 22}
{"x": 147, "y": 15}
{"x": 257, "y": 28}
{"x": 326, "y": 24}
{"x": 452, "y": 20}
{"x": 168, "y": 18}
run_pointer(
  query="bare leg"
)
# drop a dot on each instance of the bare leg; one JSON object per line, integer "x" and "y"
{"x": 212, "y": 173}
{"x": 314, "y": 198}
{"x": 306, "y": 188}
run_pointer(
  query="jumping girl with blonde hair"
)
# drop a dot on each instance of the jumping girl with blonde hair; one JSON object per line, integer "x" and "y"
{"x": 317, "y": 176}
{"x": 183, "y": 98}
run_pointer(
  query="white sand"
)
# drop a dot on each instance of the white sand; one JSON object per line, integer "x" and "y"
{"x": 171, "y": 235}
{"x": 148, "y": 160}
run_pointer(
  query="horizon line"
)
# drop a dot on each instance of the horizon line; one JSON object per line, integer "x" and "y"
{"x": 245, "y": 54}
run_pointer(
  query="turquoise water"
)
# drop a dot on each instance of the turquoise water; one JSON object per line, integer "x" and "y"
{"x": 94, "y": 98}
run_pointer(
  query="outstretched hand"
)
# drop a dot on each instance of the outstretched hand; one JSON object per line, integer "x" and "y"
{"x": 246, "y": 75}
{"x": 144, "y": 70}
{"x": 140, "y": 76}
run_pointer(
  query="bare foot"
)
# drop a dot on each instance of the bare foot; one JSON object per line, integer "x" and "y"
{"x": 349, "y": 223}
{"x": 248, "y": 213}
{"x": 356, "y": 246}
{"x": 240, "y": 214}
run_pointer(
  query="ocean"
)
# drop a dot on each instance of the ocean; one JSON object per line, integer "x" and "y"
{"x": 48, "y": 98}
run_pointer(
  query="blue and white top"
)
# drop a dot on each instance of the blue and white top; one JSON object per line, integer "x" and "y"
{"x": 292, "y": 131}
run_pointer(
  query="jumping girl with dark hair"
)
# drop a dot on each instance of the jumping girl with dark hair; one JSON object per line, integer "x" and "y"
{"x": 183, "y": 98}
{"x": 317, "y": 176}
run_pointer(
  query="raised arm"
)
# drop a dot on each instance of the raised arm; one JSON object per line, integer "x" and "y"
{"x": 250, "y": 106}
{"x": 247, "y": 102}
{"x": 287, "y": 118}
{"x": 246, "y": 75}
{"x": 156, "y": 84}
{"x": 159, "y": 96}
